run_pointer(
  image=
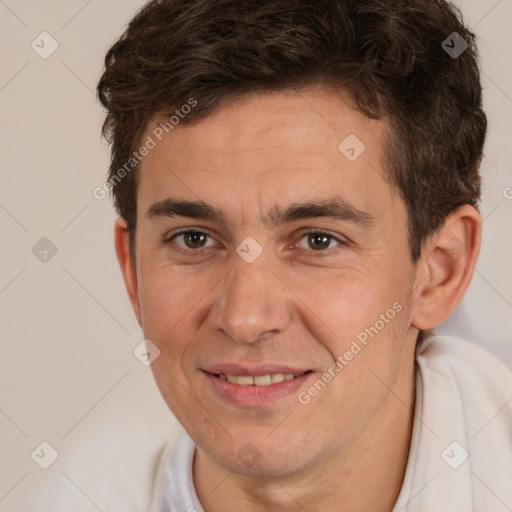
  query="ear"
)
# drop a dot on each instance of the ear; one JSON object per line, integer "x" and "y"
{"x": 446, "y": 267}
{"x": 128, "y": 268}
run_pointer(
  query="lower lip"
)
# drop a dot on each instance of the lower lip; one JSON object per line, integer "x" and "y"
{"x": 256, "y": 395}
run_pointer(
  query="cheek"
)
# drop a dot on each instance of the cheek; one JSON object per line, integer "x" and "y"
{"x": 175, "y": 300}
{"x": 350, "y": 303}
{"x": 171, "y": 302}
{"x": 171, "y": 298}
{"x": 367, "y": 321}
{"x": 366, "y": 339}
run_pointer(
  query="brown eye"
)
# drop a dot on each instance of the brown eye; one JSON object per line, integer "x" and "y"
{"x": 318, "y": 241}
{"x": 193, "y": 240}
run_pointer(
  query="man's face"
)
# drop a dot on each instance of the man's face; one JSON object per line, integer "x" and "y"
{"x": 273, "y": 286}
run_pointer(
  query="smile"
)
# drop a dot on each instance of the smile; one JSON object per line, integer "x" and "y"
{"x": 261, "y": 389}
{"x": 258, "y": 380}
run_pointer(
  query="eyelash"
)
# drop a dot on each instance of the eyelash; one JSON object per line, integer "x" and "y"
{"x": 341, "y": 243}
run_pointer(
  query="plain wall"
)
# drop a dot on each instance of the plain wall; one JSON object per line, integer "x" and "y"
{"x": 68, "y": 374}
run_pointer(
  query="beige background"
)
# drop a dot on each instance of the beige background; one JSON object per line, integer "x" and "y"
{"x": 68, "y": 373}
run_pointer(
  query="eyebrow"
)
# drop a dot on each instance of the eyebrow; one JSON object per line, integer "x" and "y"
{"x": 334, "y": 208}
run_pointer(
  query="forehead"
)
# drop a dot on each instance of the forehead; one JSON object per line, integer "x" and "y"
{"x": 268, "y": 150}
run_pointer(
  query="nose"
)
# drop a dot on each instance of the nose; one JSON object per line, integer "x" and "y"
{"x": 251, "y": 304}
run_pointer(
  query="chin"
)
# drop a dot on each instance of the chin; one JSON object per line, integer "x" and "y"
{"x": 263, "y": 468}
{"x": 258, "y": 456}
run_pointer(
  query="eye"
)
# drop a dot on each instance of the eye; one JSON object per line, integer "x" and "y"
{"x": 319, "y": 241}
{"x": 192, "y": 239}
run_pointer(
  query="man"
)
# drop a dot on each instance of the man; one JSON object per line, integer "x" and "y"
{"x": 297, "y": 184}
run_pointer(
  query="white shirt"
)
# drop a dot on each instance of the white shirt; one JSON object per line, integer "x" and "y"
{"x": 460, "y": 456}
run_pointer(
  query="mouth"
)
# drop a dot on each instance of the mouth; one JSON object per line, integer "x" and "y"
{"x": 259, "y": 380}
{"x": 260, "y": 387}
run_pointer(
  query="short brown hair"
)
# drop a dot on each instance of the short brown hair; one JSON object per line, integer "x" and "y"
{"x": 388, "y": 53}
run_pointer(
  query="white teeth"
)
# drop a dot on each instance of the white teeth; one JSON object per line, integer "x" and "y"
{"x": 262, "y": 380}
{"x": 258, "y": 380}
{"x": 245, "y": 380}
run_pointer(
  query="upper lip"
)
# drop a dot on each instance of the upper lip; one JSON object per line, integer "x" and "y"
{"x": 238, "y": 369}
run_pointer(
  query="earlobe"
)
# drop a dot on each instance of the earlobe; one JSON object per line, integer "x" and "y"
{"x": 446, "y": 268}
{"x": 128, "y": 268}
